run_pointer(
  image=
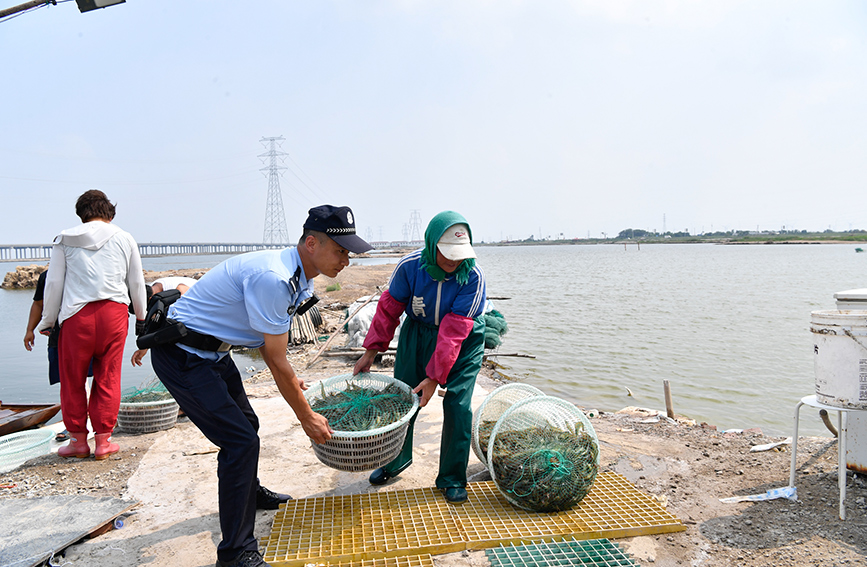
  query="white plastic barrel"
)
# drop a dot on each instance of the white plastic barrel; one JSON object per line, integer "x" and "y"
{"x": 840, "y": 357}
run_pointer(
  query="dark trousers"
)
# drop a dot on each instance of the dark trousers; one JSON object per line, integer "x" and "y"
{"x": 213, "y": 397}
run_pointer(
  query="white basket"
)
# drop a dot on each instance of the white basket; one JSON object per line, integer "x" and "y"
{"x": 16, "y": 448}
{"x": 356, "y": 451}
{"x": 147, "y": 417}
{"x": 492, "y": 408}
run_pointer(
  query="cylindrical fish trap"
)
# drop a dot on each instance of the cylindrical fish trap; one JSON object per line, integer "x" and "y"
{"x": 369, "y": 415}
{"x": 147, "y": 409}
{"x": 493, "y": 407}
{"x": 544, "y": 454}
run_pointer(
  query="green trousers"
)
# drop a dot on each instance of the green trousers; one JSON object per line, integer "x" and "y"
{"x": 414, "y": 350}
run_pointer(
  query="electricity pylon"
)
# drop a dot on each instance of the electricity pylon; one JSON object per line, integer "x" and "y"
{"x": 414, "y": 226}
{"x": 275, "y": 216}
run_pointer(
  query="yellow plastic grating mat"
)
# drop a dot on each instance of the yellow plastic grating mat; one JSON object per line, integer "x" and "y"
{"x": 408, "y": 561}
{"x": 404, "y": 522}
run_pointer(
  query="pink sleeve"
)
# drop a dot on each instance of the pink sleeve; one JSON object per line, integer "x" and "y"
{"x": 452, "y": 332}
{"x": 387, "y": 317}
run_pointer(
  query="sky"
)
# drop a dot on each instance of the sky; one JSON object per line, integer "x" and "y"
{"x": 541, "y": 118}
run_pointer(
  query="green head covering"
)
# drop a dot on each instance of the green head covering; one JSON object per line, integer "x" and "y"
{"x": 435, "y": 230}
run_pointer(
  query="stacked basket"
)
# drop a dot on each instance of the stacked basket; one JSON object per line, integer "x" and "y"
{"x": 542, "y": 453}
{"x": 369, "y": 415}
{"x": 147, "y": 410}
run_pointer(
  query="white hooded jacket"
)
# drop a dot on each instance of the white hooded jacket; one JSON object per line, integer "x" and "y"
{"x": 92, "y": 262}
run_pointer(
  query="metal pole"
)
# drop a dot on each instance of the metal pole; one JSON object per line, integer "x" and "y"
{"x": 24, "y": 7}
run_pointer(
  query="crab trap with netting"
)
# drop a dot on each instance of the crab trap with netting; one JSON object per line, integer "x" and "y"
{"x": 147, "y": 409}
{"x": 492, "y": 408}
{"x": 543, "y": 454}
{"x": 369, "y": 415}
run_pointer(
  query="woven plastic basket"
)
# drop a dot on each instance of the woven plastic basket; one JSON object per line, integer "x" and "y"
{"x": 544, "y": 454}
{"x": 492, "y": 408}
{"x": 356, "y": 451}
{"x": 147, "y": 417}
{"x": 16, "y": 448}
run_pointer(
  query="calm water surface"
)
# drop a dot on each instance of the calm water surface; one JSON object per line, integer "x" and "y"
{"x": 727, "y": 326}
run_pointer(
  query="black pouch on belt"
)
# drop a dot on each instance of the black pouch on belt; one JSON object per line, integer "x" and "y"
{"x": 171, "y": 332}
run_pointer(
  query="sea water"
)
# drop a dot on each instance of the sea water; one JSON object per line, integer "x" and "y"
{"x": 727, "y": 325}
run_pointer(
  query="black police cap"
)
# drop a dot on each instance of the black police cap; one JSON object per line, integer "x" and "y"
{"x": 339, "y": 224}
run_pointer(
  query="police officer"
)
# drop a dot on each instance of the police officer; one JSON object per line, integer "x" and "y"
{"x": 249, "y": 300}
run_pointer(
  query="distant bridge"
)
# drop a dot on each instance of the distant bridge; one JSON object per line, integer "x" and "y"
{"x": 13, "y": 252}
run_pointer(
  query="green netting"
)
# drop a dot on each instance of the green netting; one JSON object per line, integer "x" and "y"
{"x": 543, "y": 454}
{"x": 360, "y": 408}
{"x": 588, "y": 553}
{"x": 150, "y": 391}
{"x": 495, "y": 328}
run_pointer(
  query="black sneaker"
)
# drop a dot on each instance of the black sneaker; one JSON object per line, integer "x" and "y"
{"x": 270, "y": 500}
{"x": 245, "y": 559}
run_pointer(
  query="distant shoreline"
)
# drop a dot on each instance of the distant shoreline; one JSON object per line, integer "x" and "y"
{"x": 585, "y": 242}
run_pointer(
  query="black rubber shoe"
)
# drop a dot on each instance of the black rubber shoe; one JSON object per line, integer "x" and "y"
{"x": 379, "y": 476}
{"x": 456, "y": 495}
{"x": 245, "y": 559}
{"x": 270, "y": 500}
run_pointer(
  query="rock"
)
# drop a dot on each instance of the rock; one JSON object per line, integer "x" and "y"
{"x": 23, "y": 277}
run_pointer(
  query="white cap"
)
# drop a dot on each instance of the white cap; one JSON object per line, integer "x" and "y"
{"x": 455, "y": 243}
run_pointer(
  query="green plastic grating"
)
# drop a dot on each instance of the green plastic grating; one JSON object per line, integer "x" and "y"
{"x": 410, "y": 522}
{"x": 589, "y": 553}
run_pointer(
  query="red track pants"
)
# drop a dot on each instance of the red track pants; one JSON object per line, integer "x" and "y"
{"x": 97, "y": 332}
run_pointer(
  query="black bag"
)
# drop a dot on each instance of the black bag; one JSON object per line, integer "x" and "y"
{"x": 158, "y": 328}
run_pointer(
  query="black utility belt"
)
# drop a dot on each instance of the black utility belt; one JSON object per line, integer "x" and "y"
{"x": 172, "y": 332}
{"x": 203, "y": 342}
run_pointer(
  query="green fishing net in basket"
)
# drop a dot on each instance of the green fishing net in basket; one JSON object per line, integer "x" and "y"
{"x": 543, "y": 454}
{"x": 369, "y": 415}
{"x": 492, "y": 409}
{"x": 150, "y": 391}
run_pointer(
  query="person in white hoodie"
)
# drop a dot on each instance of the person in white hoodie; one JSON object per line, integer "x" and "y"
{"x": 95, "y": 271}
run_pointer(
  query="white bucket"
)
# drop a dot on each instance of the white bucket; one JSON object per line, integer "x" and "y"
{"x": 840, "y": 357}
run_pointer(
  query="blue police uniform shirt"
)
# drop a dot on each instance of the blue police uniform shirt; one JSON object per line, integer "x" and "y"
{"x": 243, "y": 298}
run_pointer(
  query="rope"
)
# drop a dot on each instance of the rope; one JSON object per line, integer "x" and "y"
{"x": 553, "y": 464}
